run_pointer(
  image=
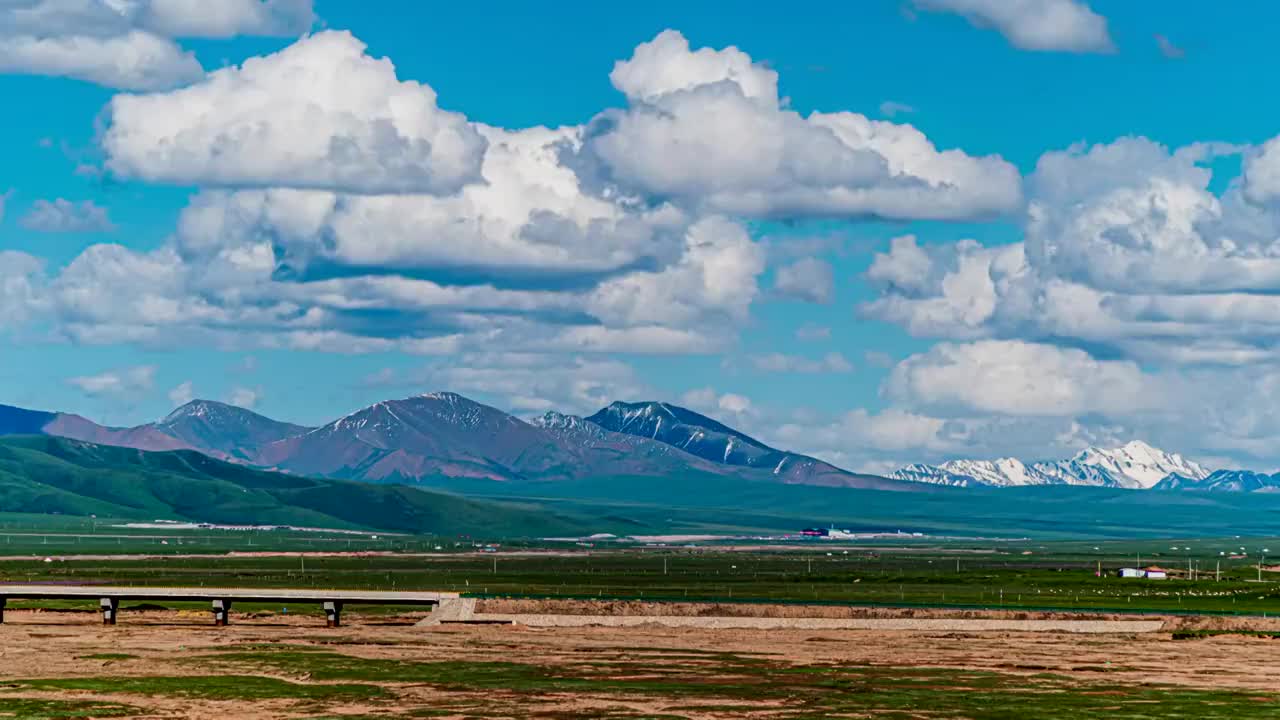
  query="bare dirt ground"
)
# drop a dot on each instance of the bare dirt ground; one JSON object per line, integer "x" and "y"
{"x": 767, "y": 610}
{"x": 166, "y": 644}
{"x": 520, "y": 609}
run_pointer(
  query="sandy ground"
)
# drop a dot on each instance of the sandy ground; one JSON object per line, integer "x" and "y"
{"x": 167, "y": 643}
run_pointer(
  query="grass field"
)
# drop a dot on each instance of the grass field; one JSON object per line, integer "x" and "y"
{"x": 959, "y": 573}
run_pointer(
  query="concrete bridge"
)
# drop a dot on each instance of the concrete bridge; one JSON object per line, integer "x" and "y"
{"x": 221, "y": 599}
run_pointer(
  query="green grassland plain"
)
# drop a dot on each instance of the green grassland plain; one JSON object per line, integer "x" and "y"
{"x": 1210, "y": 575}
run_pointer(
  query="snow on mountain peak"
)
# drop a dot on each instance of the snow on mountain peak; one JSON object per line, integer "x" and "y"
{"x": 444, "y": 396}
{"x": 1134, "y": 465}
{"x": 1139, "y": 465}
{"x": 552, "y": 420}
{"x": 202, "y": 409}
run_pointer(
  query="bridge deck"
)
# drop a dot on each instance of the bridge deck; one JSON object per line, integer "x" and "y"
{"x": 361, "y": 597}
{"x": 109, "y": 597}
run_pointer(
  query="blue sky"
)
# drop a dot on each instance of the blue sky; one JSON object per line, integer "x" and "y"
{"x": 937, "y": 348}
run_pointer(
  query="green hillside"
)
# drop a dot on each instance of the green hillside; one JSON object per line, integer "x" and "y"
{"x": 54, "y": 475}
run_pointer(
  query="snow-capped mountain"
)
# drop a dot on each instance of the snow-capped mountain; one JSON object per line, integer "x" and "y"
{"x": 715, "y": 442}
{"x": 1135, "y": 466}
{"x": 1005, "y": 472}
{"x": 687, "y": 430}
{"x": 620, "y": 453}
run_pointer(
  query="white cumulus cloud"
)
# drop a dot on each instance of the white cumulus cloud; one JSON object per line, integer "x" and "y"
{"x": 730, "y": 408}
{"x": 666, "y": 64}
{"x": 246, "y": 398}
{"x": 226, "y": 18}
{"x": 1126, "y": 248}
{"x": 134, "y": 60}
{"x": 706, "y": 128}
{"x": 716, "y": 277}
{"x": 117, "y": 382}
{"x": 533, "y": 383}
{"x": 527, "y": 219}
{"x": 1054, "y": 25}
{"x": 318, "y": 114}
{"x": 129, "y": 44}
{"x": 22, "y": 288}
{"x": 1018, "y": 378}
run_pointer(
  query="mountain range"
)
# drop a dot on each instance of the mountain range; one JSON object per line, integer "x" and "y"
{"x": 444, "y": 438}
{"x": 50, "y": 475}
{"x": 1135, "y": 466}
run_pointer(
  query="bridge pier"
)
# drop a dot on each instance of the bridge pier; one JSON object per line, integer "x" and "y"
{"x": 110, "y": 608}
{"x": 221, "y": 612}
{"x": 332, "y": 613}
